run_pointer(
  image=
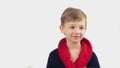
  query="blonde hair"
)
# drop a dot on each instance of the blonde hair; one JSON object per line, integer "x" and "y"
{"x": 71, "y": 14}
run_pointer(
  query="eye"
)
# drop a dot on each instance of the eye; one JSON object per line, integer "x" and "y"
{"x": 72, "y": 27}
{"x": 81, "y": 28}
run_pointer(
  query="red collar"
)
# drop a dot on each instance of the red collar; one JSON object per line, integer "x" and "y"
{"x": 84, "y": 56}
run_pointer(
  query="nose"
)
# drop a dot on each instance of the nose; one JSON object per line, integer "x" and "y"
{"x": 77, "y": 30}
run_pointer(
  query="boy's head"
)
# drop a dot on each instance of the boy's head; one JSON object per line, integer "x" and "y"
{"x": 73, "y": 24}
{"x": 72, "y": 15}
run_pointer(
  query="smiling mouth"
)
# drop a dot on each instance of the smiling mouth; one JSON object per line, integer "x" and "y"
{"x": 76, "y": 36}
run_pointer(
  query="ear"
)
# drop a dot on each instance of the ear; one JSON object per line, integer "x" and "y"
{"x": 61, "y": 29}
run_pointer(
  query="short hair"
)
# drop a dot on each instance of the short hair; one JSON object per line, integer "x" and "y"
{"x": 71, "y": 14}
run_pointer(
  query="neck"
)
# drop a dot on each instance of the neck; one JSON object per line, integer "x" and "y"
{"x": 71, "y": 45}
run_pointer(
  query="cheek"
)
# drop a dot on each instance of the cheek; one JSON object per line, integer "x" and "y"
{"x": 83, "y": 32}
{"x": 68, "y": 32}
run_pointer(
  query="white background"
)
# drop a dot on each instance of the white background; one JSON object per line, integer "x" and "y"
{"x": 29, "y": 30}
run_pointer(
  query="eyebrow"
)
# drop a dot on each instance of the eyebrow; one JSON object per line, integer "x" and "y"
{"x": 75, "y": 24}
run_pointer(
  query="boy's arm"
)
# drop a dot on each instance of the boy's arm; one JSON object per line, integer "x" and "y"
{"x": 50, "y": 63}
{"x": 93, "y": 63}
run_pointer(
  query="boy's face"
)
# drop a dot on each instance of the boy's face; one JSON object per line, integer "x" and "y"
{"x": 74, "y": 31}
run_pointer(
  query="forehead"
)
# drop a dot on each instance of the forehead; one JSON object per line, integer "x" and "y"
{"x": 77, "y": 23}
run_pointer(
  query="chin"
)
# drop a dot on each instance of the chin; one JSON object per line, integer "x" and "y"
{"x": 76, "y": 41}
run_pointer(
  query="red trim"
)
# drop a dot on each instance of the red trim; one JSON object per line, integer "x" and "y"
{"x": 84, "y": 57}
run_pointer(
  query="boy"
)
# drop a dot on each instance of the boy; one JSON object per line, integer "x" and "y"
{"x": 74, "y": 51}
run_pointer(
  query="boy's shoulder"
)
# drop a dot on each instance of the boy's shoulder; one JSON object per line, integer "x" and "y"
{"x": 94, "y": 55}
{"x": 54, "y": 52}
